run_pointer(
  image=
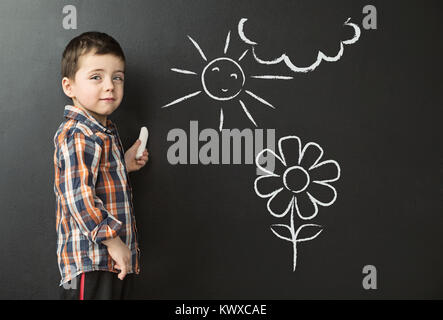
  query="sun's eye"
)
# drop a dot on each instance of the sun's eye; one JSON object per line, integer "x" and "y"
{"x": 234, "y": 75}
{"x": 215, "y": 69}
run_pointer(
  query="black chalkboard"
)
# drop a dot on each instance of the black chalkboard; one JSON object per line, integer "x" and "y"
{"x": 370, "y": 102}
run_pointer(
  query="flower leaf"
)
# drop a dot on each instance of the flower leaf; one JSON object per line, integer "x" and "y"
{"x": 282, "y": 231}
{"x": 312, "y": 231}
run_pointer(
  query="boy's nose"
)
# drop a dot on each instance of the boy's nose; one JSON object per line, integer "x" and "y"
{"x": 108, "y": 85}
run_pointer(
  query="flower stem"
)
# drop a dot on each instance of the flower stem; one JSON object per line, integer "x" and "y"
{"x": 294, "y": 241}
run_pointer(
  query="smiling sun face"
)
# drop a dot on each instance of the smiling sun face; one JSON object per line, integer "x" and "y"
{"x": 223, "y": 79}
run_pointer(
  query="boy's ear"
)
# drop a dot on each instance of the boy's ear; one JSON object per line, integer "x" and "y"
{"x": 67, "y": 87}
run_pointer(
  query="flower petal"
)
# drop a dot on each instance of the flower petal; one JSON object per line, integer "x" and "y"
{"x": 325, "y": 171}
{"x": 290, "y": 150}
{"x": 265, "y": 186}
{"x": 280, "y": 203}
{"x": 264, "y": 156}
{"x": 306, "y": 207}
{"x": 310, "y": 155}
{"x": 322, "y": 193}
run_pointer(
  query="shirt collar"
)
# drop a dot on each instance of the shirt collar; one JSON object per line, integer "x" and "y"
{"x": 79, "y": 114}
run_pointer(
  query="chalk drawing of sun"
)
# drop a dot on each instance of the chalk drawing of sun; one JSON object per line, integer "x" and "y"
{"x": 223, "y": 79}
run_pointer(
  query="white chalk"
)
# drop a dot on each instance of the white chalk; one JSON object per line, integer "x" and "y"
{"x": 144, "y": 134}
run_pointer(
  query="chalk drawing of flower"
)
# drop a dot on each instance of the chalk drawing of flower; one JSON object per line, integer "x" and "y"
{"x": 299, "y": 184}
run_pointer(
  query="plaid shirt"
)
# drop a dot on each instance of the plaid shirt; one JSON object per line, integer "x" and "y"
{"x": 93, "y": 195}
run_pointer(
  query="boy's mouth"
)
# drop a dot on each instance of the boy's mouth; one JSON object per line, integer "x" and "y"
{"x": 108, "y": 99}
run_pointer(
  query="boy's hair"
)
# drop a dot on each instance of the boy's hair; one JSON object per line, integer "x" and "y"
{"x": 100, "y": 42}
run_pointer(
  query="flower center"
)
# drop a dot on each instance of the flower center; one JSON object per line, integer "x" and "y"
{"x": 296, "y": 179}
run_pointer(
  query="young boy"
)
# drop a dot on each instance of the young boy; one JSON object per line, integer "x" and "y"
{"x": 97, "y": 241}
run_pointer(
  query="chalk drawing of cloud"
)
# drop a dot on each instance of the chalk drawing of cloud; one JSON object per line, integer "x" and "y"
{"x": 320, "y": 56}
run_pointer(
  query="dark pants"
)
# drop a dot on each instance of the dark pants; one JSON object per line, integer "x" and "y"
{"x": 97, "y": 285}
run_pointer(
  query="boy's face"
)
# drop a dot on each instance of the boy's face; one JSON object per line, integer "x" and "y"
{"x": 98, "y": 84}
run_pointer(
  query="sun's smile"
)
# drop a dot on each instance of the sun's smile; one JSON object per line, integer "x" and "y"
{"x": 223, "y": 79}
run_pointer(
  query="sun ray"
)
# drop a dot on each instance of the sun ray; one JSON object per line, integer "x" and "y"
{"x": 221, "y": 119}
{"x": 182, "y": 98}
{"x": 259, "y": 99}
{"x": 247, "y": 112}
{"x": 243, "y": 55}
{"x": 227, "y": 42}
{"x": 273, "y": 77}
{"x": 198, "y": 48}
{"x": 183, "y": 71}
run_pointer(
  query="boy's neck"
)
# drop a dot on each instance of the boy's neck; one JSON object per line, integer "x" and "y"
{"x": 100, "y": 118}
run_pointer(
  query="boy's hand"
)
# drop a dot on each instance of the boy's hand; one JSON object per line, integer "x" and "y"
{"x": 133, "y": 164}
{"x": 121, "y": 255}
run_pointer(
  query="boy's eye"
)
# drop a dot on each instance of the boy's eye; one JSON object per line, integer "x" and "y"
{"x": 97, "y": 77}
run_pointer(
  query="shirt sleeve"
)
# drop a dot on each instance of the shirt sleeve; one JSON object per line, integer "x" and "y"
{"x": 81, "y": 158}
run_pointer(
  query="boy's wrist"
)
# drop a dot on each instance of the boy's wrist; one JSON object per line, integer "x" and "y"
{"x": 128, "y": 169}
